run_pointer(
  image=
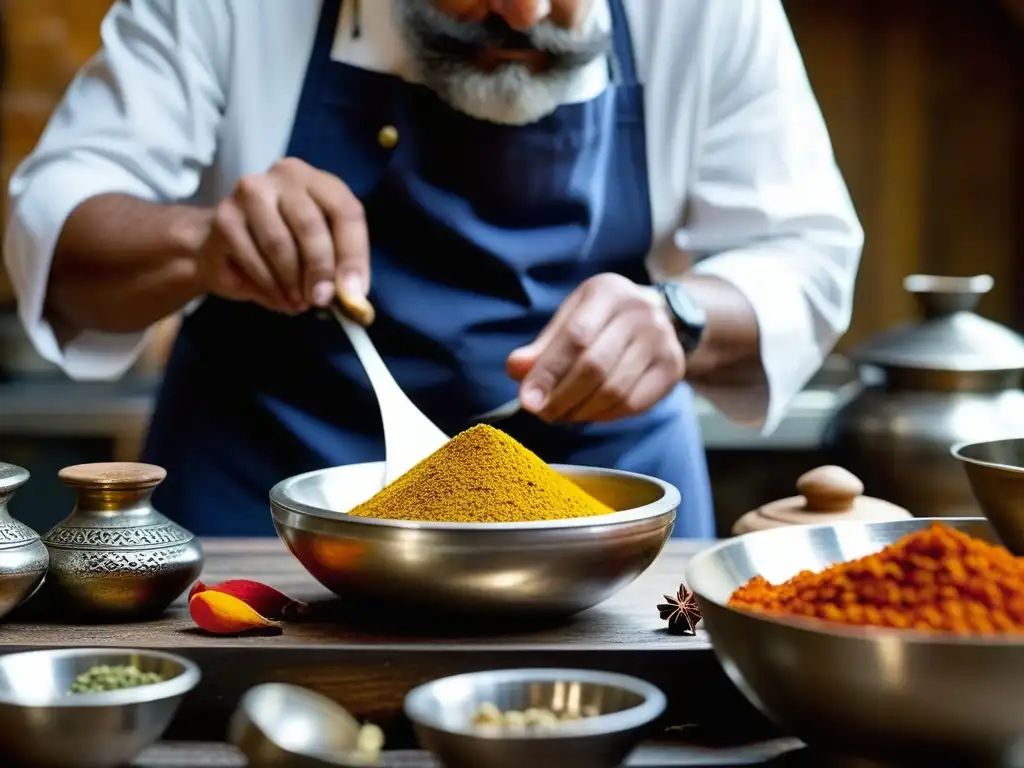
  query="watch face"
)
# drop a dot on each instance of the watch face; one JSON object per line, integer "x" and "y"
{"x": 683, "y": 305}
{"x": 690, "y": 317}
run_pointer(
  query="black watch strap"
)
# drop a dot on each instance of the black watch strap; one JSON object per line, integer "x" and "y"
{"x": 688, "y": 315}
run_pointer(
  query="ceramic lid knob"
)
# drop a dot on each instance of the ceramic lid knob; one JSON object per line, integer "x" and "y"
{"x": 828, "y": 494}
{"x": 829, "y": 489}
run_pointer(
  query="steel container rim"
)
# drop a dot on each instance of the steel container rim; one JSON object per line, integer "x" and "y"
{"x": 178, "y": 685}
{"x": 280, "y": 499}
{"x": 416, "y": 705}
{"x": 957, "y": 451}
{"x": 843, "y": 632}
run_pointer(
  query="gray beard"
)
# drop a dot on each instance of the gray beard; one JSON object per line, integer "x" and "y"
{"x": 511, "y": 94}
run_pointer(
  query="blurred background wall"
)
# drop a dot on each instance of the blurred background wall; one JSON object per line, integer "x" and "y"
{"x": 925, "y": 103}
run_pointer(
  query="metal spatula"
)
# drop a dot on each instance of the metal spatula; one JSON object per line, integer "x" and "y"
{"x": 502, "y": 412}
{"x": 409, "y": 436}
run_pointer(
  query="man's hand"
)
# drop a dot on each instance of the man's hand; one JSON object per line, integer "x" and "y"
{"x": 288, "y": 239}
{"x": 609, "y": 352}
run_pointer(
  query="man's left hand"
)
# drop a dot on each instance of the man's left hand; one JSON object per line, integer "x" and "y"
{"x": 609, "y": 352}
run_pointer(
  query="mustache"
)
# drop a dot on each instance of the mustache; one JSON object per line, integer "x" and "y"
{"x": 443, "y": 38}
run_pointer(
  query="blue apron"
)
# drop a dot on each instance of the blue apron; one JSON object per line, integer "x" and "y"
{"x": 478, "y": 232}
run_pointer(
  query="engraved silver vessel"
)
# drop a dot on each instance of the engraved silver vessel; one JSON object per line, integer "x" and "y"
{"x": 116, "y": 558}
{"x": 23, "y": 557}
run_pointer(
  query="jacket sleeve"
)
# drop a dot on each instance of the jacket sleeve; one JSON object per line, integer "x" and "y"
{"x": 768, "y": 210}
{"x": 141, "y": 118}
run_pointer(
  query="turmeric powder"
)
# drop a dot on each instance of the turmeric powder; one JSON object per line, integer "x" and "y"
{"x": 938, "y": 579}
{"x": 481, "y": 476}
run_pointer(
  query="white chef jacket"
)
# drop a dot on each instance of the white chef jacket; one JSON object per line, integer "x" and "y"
{"x": 187, "y": 96}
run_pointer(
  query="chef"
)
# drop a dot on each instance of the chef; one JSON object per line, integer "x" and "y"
{"x": 597, "y": 206}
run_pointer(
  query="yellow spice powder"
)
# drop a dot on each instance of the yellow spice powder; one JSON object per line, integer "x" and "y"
{"x": 481, "y": 476}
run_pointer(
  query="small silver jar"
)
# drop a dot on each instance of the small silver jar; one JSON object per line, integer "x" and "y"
{"x": 115, "y": 558}
{"x": 23, "y": 557}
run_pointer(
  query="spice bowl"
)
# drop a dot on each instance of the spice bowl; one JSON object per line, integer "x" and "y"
{"x": 529, "y": 569}
{"x": 899, "y": 696}
{"x": 995, "y": 470}
{"x": 618, "y": 712}
{"x": 43, "y": 724}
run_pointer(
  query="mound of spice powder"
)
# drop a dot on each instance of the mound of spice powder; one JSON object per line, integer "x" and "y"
{"x": 938, "y": 579}
{"x": 481, "y": 476}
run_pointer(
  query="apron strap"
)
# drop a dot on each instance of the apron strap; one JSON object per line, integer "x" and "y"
{"x": 623, "y": 65}
{"x": 323, "y": 44}
{"x": 327, "y": 28}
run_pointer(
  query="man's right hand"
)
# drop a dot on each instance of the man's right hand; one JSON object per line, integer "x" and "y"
{"x": 288, "y": 240}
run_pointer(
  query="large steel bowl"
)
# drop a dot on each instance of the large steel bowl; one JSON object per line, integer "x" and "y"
{"x": 555, "y": 567}
{"x": 995, "y": 470}
{"x": 865, "y": 692}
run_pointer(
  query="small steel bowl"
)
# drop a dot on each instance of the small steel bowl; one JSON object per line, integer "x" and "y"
{"x": 442, "y": 712}
{"x": 278, "y": 724}
{"x": 904, "y": 696}
{"x": 995, "y": 470}
{"x": 41, "y": 724}
{"x": 555, "y": 567}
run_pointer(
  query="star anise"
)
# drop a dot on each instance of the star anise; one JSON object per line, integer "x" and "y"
{"x": 681, "y": 612}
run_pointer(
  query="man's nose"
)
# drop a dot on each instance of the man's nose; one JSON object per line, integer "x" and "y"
{"x": 521, "y": 15}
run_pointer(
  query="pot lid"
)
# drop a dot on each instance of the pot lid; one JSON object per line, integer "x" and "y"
{"x": 951, "y": 337}
{"x": 12, "y": 477}
{"x": 828, "y": 494}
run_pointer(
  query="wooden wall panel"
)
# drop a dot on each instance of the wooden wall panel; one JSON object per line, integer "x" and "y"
{"x": 975, "y": 187}
{"x": 924, "y": 99}
{"x": 925, "y": 103}
{"x": 45, "y": 42}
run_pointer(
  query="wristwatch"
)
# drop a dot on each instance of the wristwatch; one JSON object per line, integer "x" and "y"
{"x": 688, "y": 315}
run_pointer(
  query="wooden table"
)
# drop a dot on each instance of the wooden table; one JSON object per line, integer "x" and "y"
{"x": 213, "y": 755}
{"x": 369, "y": 665}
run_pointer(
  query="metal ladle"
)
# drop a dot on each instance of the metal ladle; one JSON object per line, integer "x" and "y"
{"x": 409, "y": 436}
{"x": 277, "y": 725}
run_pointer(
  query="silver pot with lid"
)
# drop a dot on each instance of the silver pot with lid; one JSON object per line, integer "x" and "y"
{"x": 23, "y": 557}
{"x": 953, "y": 376}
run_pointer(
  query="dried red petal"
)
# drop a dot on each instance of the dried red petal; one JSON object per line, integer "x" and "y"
{"x": 264, "y": 599}
{"x": 222, "y": 614}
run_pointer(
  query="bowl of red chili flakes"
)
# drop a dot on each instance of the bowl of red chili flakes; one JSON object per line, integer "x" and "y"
{"x": 890, "y": 641}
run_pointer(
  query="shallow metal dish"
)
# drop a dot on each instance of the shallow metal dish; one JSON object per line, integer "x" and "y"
{"x": 867, "y": 692}
{"x": 554, "y": 567}
{"x": 42, "y": 725}
{"x": 442, "y": 713}
{"x": 285, "y": 726}
{"x": 995, "y": 470}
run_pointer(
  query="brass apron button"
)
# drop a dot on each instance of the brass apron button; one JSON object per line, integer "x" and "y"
{"x": 387, "y": 137}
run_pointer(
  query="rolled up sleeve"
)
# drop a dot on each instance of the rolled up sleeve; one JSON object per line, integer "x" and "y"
{"x": 139, "y": 119}
{"x": 768, "y": 210}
